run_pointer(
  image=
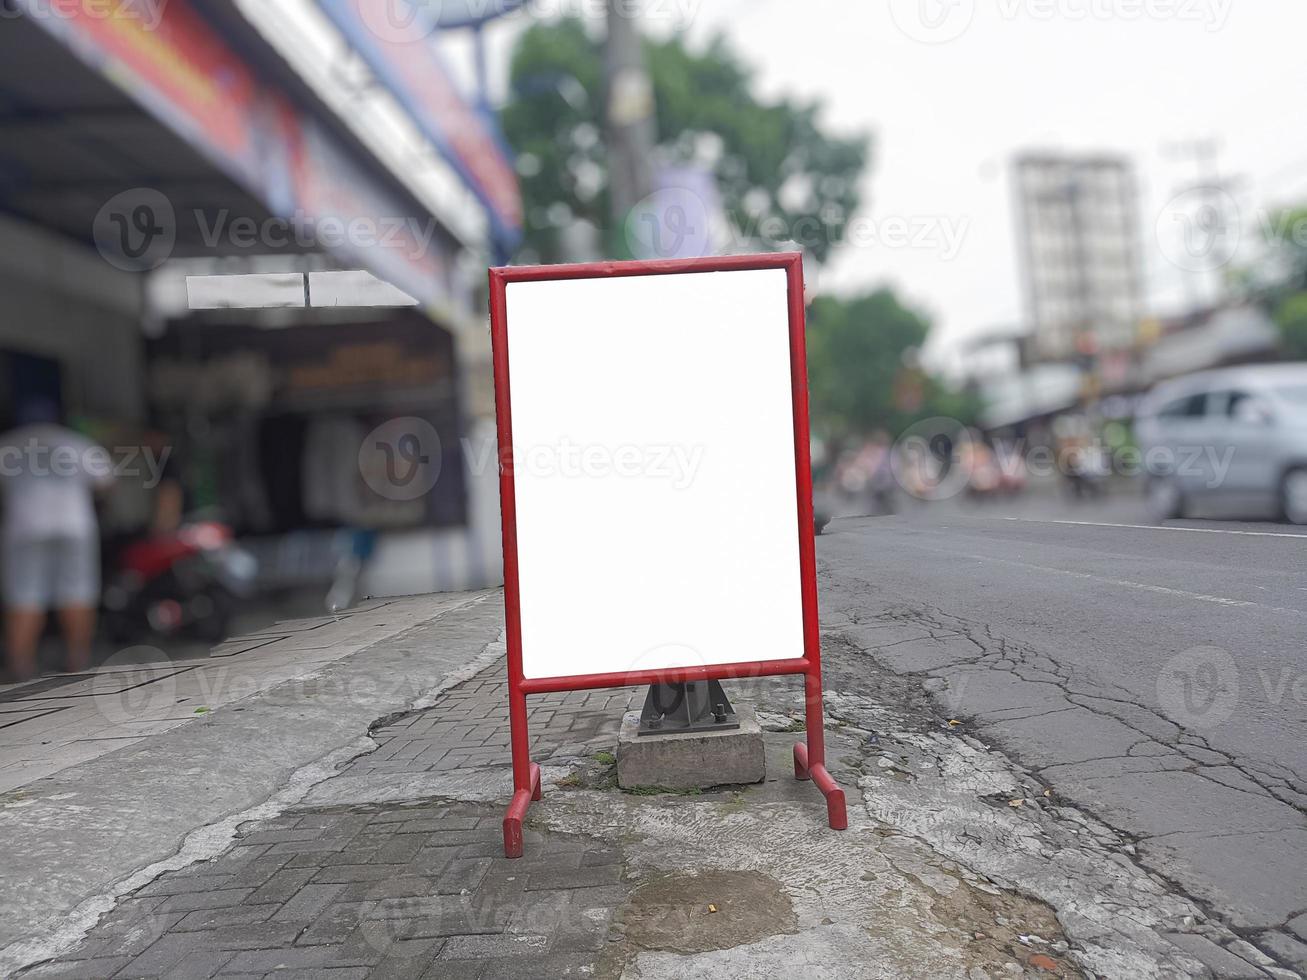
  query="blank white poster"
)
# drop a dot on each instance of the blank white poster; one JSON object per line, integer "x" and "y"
{"x": 654, "y": 468}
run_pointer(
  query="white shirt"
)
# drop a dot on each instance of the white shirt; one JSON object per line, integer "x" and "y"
{"x": 49, "y": 475}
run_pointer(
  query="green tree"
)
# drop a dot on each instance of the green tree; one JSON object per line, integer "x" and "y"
{"x": 862, "y": 370}
{"x": 707, "y": 115}
{"x": 1291, "y": 316}
{"x": 1281, "y": 277}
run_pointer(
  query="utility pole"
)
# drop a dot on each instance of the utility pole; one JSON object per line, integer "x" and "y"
{"x": 629, "y": 119}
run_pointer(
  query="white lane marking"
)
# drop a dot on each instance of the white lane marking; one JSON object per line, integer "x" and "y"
{"x": 1143, "y": 586}
{"x": 1160, "y": 527}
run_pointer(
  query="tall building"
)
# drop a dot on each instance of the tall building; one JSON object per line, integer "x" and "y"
{"x": 1077, "y": 227}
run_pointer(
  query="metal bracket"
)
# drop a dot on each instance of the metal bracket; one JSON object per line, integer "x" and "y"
{"x": 694, "y": 706}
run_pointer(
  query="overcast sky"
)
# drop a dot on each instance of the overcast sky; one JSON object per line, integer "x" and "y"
{"x": 952, "y": 89}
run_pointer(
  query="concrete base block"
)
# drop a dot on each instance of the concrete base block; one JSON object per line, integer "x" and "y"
{"x": 696, "y": 760}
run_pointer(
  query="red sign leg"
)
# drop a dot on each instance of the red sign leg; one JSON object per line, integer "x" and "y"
{"x": 810, "y": 759}
{"x": 526, "y": 774}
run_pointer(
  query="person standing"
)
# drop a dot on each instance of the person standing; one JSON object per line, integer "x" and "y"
{"x": 49, "y": 536}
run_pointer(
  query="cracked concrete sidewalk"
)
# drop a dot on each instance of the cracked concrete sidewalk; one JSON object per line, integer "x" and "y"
{"x": 380, "y": 856}
{"x": 1126, "y": 763}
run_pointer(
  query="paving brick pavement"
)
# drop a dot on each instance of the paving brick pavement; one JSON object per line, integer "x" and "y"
{"x": 381, "y": 891}
{"x": 388, "y": 890}
{"x": 469, "y": 728}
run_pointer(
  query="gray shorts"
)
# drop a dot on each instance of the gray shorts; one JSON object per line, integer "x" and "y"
{"x": 51, "y": 573}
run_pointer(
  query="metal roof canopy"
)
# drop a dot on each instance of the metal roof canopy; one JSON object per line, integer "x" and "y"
{"x": 70, "y": 140}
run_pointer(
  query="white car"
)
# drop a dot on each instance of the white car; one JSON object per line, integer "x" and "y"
{"x": 1230, "y": 443}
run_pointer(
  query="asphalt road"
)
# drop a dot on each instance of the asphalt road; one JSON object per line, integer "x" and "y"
{"x": 1156, "y": 676}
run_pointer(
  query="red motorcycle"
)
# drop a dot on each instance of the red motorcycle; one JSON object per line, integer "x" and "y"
{"x": 182, "y": 584}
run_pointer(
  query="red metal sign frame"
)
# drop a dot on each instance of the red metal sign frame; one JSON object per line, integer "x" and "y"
{"x": 809, "y": 757}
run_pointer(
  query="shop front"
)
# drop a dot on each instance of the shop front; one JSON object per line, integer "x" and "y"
{"x": 134, "y": 145}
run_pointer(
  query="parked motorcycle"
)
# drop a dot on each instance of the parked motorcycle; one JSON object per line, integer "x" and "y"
{"x": 184, "y": 584}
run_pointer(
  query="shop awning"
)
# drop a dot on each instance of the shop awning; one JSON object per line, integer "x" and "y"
{"x": 397, "y": 45}
{"x": 70, "y": 140}
{"x": 183, "y": 99}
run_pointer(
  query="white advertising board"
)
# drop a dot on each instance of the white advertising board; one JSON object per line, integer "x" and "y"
{"x": 654, "y": 471}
